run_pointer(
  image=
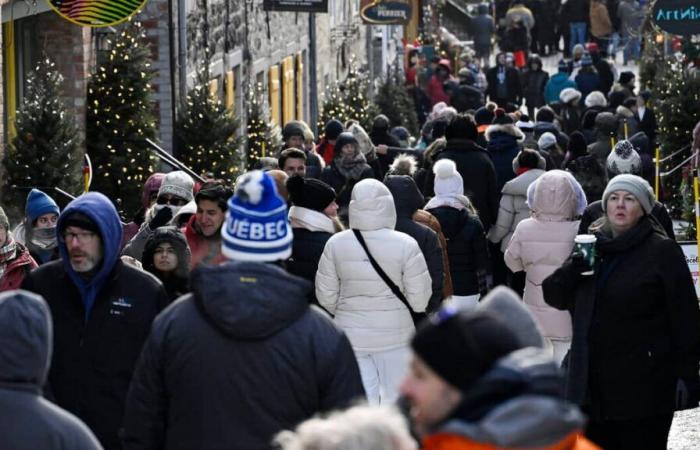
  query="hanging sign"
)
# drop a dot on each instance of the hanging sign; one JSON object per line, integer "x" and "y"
{"x": 690, "y": 250}
{"x": 316, "y": 6}
{"x": 385, "y": 12}
{"x": 96, "y": 13}
{"x": 680, "y": 17}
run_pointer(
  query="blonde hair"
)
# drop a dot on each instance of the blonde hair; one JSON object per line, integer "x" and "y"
{"x": 358, "y": 428}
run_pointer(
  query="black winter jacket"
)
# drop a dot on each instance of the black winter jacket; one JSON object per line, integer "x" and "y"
{"x": 28, "y": 421}
{"x": 479, "y": 175}
{"x": 407, "y": 200}
{"x": 467, "y": 249}
{"x": 307, "y": 248}
{"x": 466, "y": 97}
{"x": 636, "y": 325}
{"x": 235, "y": 362}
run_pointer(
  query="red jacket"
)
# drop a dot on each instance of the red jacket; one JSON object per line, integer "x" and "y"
{"x": 17, "y": 269}
{"x": 204, "y": 250}
{"x": 326, "y": 150}
{"x": 436, "y": 91}
{"x": 446, "y": 441}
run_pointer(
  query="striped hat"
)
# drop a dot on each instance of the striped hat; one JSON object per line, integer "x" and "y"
{"x": 256, "y": 226}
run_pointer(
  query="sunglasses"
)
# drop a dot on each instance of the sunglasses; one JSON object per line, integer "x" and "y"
{"x": 173, "y": 201}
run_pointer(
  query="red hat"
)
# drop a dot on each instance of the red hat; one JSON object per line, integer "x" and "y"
{"x": 444, "y": 62}
{"x": 592, "y": 47}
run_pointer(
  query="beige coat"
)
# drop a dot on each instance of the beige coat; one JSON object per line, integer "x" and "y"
{"x": 601, "y": 26}
{"x": 542, "y": 243}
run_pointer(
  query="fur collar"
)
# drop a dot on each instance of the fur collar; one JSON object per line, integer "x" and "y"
{"x": 625, "y": 112}
{"x": 509, "y": 129}
{"x": 310, "y": 220}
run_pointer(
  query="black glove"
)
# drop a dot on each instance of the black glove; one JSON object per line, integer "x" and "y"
{"x": 687, "y": 395}
{"x": 578, "y": 263}
{"x": 161, "y": 218}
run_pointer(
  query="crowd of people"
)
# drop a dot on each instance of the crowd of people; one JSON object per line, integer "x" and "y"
{"x": 355, "y": 293}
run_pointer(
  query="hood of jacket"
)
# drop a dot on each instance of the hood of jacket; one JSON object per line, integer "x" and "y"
{"x": 371, "y": 206}
{"x": 407, "y": 198}
{"x": 641, "y": 143}
{"x": 517, "y": 404}
{"x": 26, "y": 339}
{"x": 556, "y": 196}
{"x": 545, "y": 127}
{"x": 174, "y": 237}
{"x": 102, "y": 212}
{"x": 509, "y": 130}
{"x": 249, "y": 300}
{"x": 624, "y": 112}
{"x": 519, "y": 184}
{"x": 559, "y": 81}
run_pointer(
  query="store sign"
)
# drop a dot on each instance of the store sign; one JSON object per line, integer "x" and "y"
{"x": 677, "y": 16}
{"x": 96, "y": 13}
{"x": 316, "y": 6}
{"x": 690, "y": 250}
{"x": 385, "y": 12}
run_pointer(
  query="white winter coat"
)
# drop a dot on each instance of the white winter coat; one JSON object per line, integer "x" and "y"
{"x": 513, "y": 208}
{"x": 542, "y": 243}
{"x": 350, "y": 289}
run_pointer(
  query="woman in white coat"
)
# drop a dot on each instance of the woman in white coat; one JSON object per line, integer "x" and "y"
{"x": 542, "y": 243}
{"x": 377, "y": 323}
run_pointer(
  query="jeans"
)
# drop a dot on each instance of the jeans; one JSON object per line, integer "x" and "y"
{"x": 577, "y": 30}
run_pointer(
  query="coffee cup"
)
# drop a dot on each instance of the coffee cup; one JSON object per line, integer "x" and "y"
{"x": 585, "y": 244}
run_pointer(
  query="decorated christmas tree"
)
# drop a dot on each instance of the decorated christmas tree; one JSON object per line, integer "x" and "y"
{"x": 349, "y": 99}
{"x": 264, "y": 137}
{"x": 120, "y": 117}
{"x": 207, "y": 133}
{"x": 45, "y": 152}
{"x": 394, "y": 101}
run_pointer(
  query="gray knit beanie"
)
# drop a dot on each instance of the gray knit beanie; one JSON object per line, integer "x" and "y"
{"x": 636, "y": 186}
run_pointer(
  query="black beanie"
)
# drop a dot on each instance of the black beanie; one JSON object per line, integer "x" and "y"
{"x": 545, "y": 115}
{"x": 461, "y": 127}
{"x": 502, "y": 118}
{"x": 80, "y": 220}
{"x": 461, "y": 346}
{"x": 309, "y": 193}
{"x": 626, "y": 77}
{"x": 483, "y": 116}
{"x": 292, "y": 129}
{"x": 333, "y": 129}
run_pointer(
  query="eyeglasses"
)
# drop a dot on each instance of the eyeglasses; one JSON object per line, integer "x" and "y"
{"x": 174, "y": 201}
{"x": 81, "y": 237}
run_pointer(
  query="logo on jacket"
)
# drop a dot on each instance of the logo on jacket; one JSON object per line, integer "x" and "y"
{"x": 120, "y": 306}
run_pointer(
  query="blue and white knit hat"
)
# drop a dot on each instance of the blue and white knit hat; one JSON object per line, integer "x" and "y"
{"x": 256, "y": 227}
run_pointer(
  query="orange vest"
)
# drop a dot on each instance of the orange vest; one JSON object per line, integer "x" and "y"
{"x": 445, "y": 441}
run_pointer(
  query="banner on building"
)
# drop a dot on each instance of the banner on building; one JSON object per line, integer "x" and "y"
{"x": 690, "y": 250}
{"x": 96, "y": 13}
{"x": 316, "y": 6}
{"x": 680, "y": 17}
{"x": 385, "y": 12}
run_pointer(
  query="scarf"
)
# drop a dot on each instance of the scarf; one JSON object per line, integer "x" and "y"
{"x": 351, "y": 167}
{"x": 456, "y": 201}
{"x": 8, "y": 252}
{"x": 44, "y": 238}
{"x": 310, "y": 220}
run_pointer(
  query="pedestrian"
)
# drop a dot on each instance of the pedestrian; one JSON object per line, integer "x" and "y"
{"x": 37, "y": 231}
{"x": 280, "y": 177}
{"x": 472, "y": 384}
{"x": 482, "y": 29}
{"x": 625, "y": 159}
{"x": 482, "y": 119}
{"x": 294, "y": 136}
{"x": 175, "y": 191}
{"x": 517, "y": 41}
{"x": 606, "y": 125}
{"x": 203, "y": 231}
{"x": 15, "y": 260}
{"x": 148, "y": 199}
{"x": 646, "y": 117}
{"x": 557, "y": 83}
{"x": 601, "y": 25}
{"x": 347, "y": 169}
{"x": 634, "y": 356}
{"x": 602, "y": 66}
{"x": 474, "y": 166}
{"x": 577, "y": 149}
{"x": 569, "y": 110}
{"x": 167, "y": 256}
{"x": 314, "y": 219}
{"x": 549, "y": 148}
{"x": 503, "y": 83}
{"x": 467, "y": 248}
{"x": 625, "y": 84}
{"x": 102, "y": 311}
{"x": 243, "y": 357}
{"x": 361, "y": 274}
{"x": 27, "y": 420}
{"x": 541, "y": 244}
{"x": 292, "y": 161}
{"x": 465, "y": 96}
{"x": 504, "y": 141}
{"x": 361, "y": 427}
{"x": 380, "y": 136}
{"x": 527, "y": 126}
{"x": 371, "y": 152}
{"x": 577, "y": 12}
{"x": 631, "y": 16}
{"x": 407, "y": 200}
{"x": 435, "y": 90}
{"x": 326, "y": 147}
{"x": 534, "y": 80}
{"x": 587, "y": 80}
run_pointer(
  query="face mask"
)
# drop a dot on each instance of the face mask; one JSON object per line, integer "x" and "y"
{"x": 44, "y": 238}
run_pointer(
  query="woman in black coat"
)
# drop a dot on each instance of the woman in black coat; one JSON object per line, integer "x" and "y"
{"x": 636, "y": 341}
{"x": 167, "y": 256}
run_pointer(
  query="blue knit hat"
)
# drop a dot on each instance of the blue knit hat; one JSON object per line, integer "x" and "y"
{"x": 38, "y": 204}
{"x": 256, "y": 227}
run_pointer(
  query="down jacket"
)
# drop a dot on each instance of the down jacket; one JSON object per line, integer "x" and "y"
{"x": 513, "y": 208}
{"x": 348, "y": 286}
{"x": 542, "y": 243}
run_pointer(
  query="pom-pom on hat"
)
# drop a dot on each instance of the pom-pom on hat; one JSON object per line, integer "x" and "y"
{"x": 177, "y": 183}
{"x": 310, "y": 193}
{"x": 256, "y": 226}
{"x": 501, "y": 118}
{"x": 635, "y": 185}
{"x": 447, "y": 180}
{"x": 38, "y": 204}
{"x": 624, "y": 159}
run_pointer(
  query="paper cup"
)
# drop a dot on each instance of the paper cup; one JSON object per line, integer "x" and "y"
{"x": 585, "y": 244}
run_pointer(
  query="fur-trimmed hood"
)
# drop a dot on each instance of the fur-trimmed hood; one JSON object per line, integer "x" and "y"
{"x": 624, "y": 112}
{"x": 509, "y": 129}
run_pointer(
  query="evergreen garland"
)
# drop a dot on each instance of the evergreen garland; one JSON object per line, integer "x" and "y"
{"x": 120, "y": 117}
{"x": 45, "y": 151}
{"x": 207, "y": 133}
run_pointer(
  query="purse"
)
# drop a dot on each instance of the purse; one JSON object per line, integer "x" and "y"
{"x": 417, "y": 317}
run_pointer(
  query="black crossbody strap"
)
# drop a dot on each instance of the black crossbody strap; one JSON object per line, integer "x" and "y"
{"x": 394, "y": 288}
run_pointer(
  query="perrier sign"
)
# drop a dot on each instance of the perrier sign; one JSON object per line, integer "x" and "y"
{"x": 385, "y": 12}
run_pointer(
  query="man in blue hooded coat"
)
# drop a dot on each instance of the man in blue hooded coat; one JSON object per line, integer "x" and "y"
{"x": 102, "y": 311}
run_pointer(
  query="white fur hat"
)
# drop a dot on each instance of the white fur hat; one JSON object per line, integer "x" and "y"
{"x": 596, "y": 98}
{"x": 569, "y": 94}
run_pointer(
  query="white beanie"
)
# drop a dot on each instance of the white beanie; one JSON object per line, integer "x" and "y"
{"x": 569, "y": 94}
{"x": 546, "y": 140}
{"x": 624, "y": 159}
{"x": 447, "y": 180}
{"x": 596, "y": 98}
{"x": 177, "y": 183}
